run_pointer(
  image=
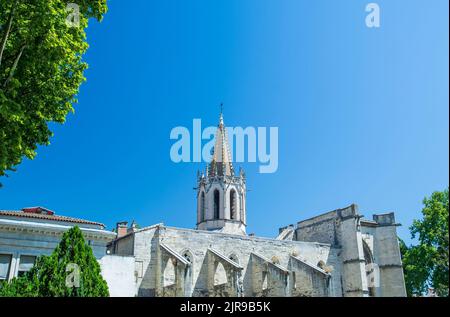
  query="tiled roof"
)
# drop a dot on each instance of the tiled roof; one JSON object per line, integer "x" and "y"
{"x": 18, "y": 213}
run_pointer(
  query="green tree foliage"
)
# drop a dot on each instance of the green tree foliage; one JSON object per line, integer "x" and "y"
{"x": 50, "y": 274}
{"x": 426, "y": 264}
{"x": 41, "y": 69}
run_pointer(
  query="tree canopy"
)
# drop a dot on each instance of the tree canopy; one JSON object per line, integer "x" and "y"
{"x": 41, "y": 70}
{"x": 426, "y": 264}
{"x": 70, "y": 271}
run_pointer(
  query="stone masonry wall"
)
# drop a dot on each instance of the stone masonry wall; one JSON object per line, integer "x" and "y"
{"x": 197, "y": 242}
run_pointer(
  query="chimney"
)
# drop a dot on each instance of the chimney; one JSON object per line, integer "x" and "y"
{"x": 121, "y": 228}
{"x": 38, "y": 210}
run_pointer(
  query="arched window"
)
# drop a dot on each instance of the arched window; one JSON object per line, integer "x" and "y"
{"x": 169, "y": 273}
{"x": 216, "y": 204}
{"x": 372, "y": 272}
{"x": 265, "y": 283}
{"x": 202, "y": 207}
{"x": 233, "y": 204}
{"x": 220, "y": 276}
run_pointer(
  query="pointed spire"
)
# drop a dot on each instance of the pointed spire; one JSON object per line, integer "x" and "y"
{"x": 221, "y": 164}
{"x": 221, "y": 115}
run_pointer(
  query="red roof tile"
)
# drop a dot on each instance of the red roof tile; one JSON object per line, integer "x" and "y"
{"x": 16, "y": 213}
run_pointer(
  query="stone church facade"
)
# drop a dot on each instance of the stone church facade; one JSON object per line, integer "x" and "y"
{"x": 338, "y": 253}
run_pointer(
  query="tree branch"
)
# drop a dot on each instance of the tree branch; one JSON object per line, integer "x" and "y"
{"x": 8, "y": 29}
{"x": 14, "y": 66}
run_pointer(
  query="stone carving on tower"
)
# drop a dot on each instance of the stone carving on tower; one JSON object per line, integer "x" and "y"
{"x": 221, "y": 193}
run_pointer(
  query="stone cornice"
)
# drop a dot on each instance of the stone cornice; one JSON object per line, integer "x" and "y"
{"x": 38, "y": 228}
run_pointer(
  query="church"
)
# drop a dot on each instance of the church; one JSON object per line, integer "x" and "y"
{"x": 338, "y": 253}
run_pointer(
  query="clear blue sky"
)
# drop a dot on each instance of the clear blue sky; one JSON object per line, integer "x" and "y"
{"x": 362, "y": 113}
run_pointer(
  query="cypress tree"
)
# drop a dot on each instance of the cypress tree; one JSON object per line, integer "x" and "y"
{"x": 70, "y": 271}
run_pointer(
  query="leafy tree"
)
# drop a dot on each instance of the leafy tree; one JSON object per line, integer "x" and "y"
{"x": 426, "y": 264}
{"x": 50, "y": 274}
{"x": 41, "y": 69}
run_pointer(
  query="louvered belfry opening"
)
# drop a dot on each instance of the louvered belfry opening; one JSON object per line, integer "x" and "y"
{"x": 216, "y": 204}
{"x": 233, "y": 204}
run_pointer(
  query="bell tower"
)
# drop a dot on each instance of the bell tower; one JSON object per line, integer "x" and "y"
{"x": 221, "y": 194}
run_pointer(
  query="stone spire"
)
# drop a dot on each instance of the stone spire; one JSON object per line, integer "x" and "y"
{"x": 221, "y": 163}
{"x": 221, "y": 194}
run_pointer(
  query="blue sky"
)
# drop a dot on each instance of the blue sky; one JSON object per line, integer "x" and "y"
{"x": 362, "y": 113}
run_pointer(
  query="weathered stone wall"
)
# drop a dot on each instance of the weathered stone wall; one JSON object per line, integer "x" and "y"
{"x": 319, "y": 229}
{"x": 145, "y": 250}
{"x": 392, "y": 281}
{"x": 340, "y": 229}
{"x": 240, "y": 248}
{"x": 125, "y": 245}
{"x": 364, "y": 244}
{"x": 386, "y": 252}
{"x": 307, "y": 282}
{"x": 265, "y": 267}
{"x": 352, "y": 257}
